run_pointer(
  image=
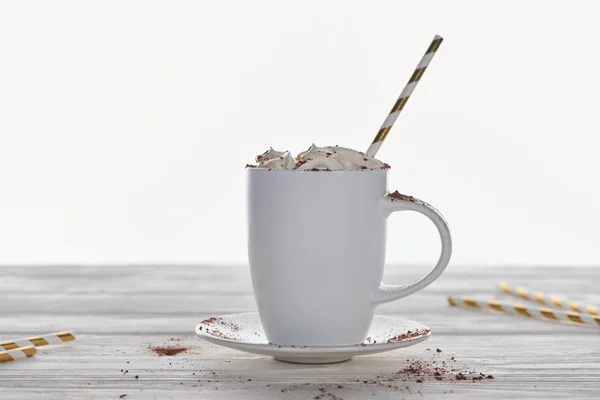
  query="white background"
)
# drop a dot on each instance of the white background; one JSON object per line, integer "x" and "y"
{"x": 125, "y": 125}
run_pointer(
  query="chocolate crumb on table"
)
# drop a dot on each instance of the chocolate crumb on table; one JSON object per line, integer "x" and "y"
{"x": 167, "y": 351}
{"x": 421, "y": 371}
{"x": 250, "y": 166}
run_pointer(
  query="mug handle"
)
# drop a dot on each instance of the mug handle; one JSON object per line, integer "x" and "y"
{"x": 401, "y": 202}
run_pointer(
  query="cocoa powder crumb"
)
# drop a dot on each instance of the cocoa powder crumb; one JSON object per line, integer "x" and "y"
{"x": 250, "y": 166}
{"x": 461, "y": 377}
{"x": 300, "y": 163}
{"x": 409, "y": 335}
{"x": 422, "y": 370}
{"x": 397, "y": 196}
{"x": 167, "y": 351}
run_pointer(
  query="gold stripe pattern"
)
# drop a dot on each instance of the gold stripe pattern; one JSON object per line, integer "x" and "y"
{"x": 494, "y": 305}
{"x": 505, "y": 288}
{"x": 417, "y": 75}
{"x": 9, "y": 345}
{"x": 470, "y": 302}
{"x": 521, "y": 310}
{"x": 522, "y": 292}
{"x": 545, "y": 312}
{"x": 39, "y": 341}
{"x": 574, "y": 306}
{"x": 29, "y": 351}
{"x": 573, "y": 316}
{"x": 66, "y": 336}
{"x": 399, "y": 104}
{"x": 556, "y": 301}
{"x": 539, "y": 297}
{"x": 382, "y": 134}
{"x": 548, "y": 313}
{"x": 434, "y": 46}
{"x": 592, "y": 310}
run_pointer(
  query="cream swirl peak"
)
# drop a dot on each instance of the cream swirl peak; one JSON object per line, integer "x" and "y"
{"x": 328, "y": 158}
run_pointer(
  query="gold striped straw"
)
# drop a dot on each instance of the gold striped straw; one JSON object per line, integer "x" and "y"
{"x": 544, "y": 313}
{"x": 552, "y": 301}
{"x": 401, "y": 102}
{"x": 36, "y": 341}
{"x": 17, "y": 354}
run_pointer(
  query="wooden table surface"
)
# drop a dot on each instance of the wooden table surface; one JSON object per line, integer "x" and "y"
{"x": 120, "y": 312}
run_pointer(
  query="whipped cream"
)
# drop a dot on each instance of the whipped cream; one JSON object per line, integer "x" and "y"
{"x": 328, "y": 158}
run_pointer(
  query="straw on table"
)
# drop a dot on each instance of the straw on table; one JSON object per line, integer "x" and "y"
{"x": 43, "y": 340}
{"x": 544, "y": 313}
{"x": 553, "y": 301}
{"x": 17, "y": 354}
{"x": 404, "y": 96}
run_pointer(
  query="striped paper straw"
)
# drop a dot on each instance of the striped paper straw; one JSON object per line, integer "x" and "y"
{"x": 43, "y": 340}
{"x": 401, "y": 102}
{"x": 543, "y": 313}
{"x": 552, "y": 301}
{"x": 17, "y": 354}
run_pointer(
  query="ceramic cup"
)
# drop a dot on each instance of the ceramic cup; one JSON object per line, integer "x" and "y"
{"x": 317, "y": 250}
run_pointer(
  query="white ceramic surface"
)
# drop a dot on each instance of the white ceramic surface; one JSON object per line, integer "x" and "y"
{"x": 244, "y": 332}
{"x": 317, "y": 250}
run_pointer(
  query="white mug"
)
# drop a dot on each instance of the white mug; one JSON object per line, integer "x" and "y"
{"x": 317, "y": 250}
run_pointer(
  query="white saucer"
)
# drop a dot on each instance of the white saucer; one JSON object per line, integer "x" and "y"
{"x": 244, "y": 332}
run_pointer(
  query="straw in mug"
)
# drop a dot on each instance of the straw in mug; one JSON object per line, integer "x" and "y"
{"x": 17, "y": 354}
{"x": 544, "y": 313}
{"x": 43, "y": 340}
{"x": 404, "y": 96}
